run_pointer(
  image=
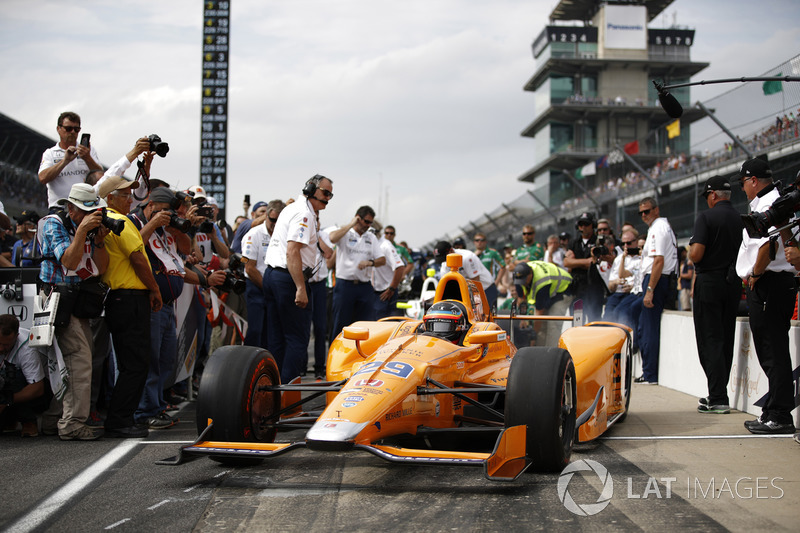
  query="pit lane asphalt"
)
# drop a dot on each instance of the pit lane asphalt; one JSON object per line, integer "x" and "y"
{"x": 724, "y": 479}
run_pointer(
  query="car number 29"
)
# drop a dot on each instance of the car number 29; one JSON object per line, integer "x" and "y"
{"x": 393, "y": 368}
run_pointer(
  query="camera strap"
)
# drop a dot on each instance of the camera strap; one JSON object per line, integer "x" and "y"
{"x": 143, "y": 177}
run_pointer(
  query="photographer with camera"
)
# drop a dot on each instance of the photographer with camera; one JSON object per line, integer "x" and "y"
{"x": 26, "y": 251}
{"x": 717, "y": 290}
{"x": 771, "y": 294}
{"x": 23, "y": 392}
{"x": 163, "y": 233}
{"x": 622, "y": 276}
{"x": 73, "y": 258}
{"x": 133, "y": 294}
{"x": 582, "y": 260}
{"x": 291, "y": 260}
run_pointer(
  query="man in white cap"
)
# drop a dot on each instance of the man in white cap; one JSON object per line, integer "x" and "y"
{"x": 74, "y": 256}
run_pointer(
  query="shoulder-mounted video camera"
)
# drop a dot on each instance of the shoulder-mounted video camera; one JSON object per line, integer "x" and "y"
{"x": 781, "y": 210}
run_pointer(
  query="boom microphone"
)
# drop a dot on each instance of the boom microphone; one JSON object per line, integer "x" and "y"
{"x": 668, "y": 102}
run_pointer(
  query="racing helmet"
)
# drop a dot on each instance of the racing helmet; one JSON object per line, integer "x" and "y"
{"x": 446, "y": 320}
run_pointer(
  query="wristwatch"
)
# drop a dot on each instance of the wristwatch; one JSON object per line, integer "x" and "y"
{"x": 649, "y": 288}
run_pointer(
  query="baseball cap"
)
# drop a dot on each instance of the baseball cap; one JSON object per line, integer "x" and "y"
{"x": 257, "y": 205}
{"x": 755, "y": 167}
{"x": 586, "y": 217}
{"x": 84, "y": 197}
{"x": 158, "y": 182}
{"x": 715, "y": 183}
{"x": 198, "y": 191}
{"x": 521, "y": 271}
{"x": 459, "y": 242}
{"x": 212, "y": 201}
{"x": 442, "y": 249}
{"x": 564, "y": 235}
{"x": 27, "y": 216}
{"x": 162, "y": 195}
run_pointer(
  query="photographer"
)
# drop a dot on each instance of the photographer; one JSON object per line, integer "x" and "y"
{"x": 622, "y": 276}
{"x": 22, "y": 387}
{"x": 582, "y": 260}
{"x": 161, "y": 231}
{"x": 771, "y": 294}
{"x": 73, "y": 258}
{"x": 207, "y": 236}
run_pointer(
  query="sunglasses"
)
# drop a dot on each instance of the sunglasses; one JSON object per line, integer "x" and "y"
{"x": 529, "y": 233}
{"x": 628, "y": 243}
{"x": 388, "y": 233}
{"x": 484, "y": 240}
{"x": 603, "y": 229}
{"x": 87, "y": 203}
{"x": 70, "y": 129}
{"x": 326, "y": 193}
{"x": 584, "y": 224}
{"x": 644, "y": 212}
{"x": 367, "y": 222}
{"x": 743, "y": 181}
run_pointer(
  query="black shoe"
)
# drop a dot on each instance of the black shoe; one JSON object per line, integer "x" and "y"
{"x": 717, "y": 409}
{"x": 751, "y": 423}
{"x": 641, "y": 381}
{"x": 130, "y": 432}
{"x": 770, "y": 427}
{"x": 702, "y": 401}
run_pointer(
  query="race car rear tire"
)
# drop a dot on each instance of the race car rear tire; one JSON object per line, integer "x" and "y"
{"x": 229, "y": 395}
{"x": 541, "y": 393}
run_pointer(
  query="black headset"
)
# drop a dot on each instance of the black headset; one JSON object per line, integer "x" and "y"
{"x": 311, "y": 185}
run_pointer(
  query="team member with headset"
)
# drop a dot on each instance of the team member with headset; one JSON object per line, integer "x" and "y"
{"x": 582, "y": 264}
{"x": 713, "y": 247}
{"x": 291, "y": 260}
{"x": 771, "y": 294}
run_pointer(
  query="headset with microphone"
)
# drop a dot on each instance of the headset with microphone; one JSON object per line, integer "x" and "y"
{"x": 311, "y": 186}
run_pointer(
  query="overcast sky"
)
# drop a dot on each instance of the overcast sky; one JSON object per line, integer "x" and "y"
{"x": 420, "y": 98}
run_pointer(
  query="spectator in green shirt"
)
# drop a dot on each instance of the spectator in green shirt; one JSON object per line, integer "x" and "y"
{"x": 530, "y": 249}
{"x": 490, "y": 258}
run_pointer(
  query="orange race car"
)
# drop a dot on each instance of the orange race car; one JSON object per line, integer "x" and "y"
{"x": 448, "y": 389}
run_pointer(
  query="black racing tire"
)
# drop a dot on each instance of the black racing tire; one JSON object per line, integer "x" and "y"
{"x": 541, "y": 393}
{"x": 229, "y": 396}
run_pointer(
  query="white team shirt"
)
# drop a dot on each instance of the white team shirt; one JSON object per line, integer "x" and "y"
{"x": 632, "y": 265}
{"x": 73, "y": 173}
{"x": 297, "y": 223}
{"x": 351, "y": 250}
{"x": 471, "y": 268}
{"x": 660, "y": 241}
{"x": 26, "y": 358}
{"x": 748, "y": 250}
{"x": 382, "y": 275}
{"x": 322, "y": 272}
{"x": 254, "y": 247}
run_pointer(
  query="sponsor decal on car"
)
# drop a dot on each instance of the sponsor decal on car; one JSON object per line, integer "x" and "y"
{"x": 349, "y": 404}
{"x": 354, "y": 399}
{"x": 369, "y": 383}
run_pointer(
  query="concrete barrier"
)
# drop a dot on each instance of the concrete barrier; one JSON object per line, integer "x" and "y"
{"x": 679, "y": 366}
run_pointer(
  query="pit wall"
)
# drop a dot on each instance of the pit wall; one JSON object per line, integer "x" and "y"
{"x": 679, "y": 366}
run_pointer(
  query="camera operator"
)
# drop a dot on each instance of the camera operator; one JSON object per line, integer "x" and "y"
{"x": 22, "y": 387}
{"x": 771, "y": 294}
{"x": 622, "y": 276}
{"x": 166, "y": 243}
{"x": 582, "y": 260}
{"x": 717, "y": 290}
{"x": 133, "y": 294}
{"x": 73, "y": 258}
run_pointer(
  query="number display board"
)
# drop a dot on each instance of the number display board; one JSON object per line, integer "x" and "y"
{"x": 214, "y": 106}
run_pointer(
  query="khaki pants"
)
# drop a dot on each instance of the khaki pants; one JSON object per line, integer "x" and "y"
{"x": 75, "y": 341}
{"x": 551, "y": 329}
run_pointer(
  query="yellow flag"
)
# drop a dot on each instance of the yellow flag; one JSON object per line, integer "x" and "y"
{"x": 674, "y": 129}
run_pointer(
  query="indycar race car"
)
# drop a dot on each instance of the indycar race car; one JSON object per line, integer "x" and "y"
{"x": 450, "y": 389}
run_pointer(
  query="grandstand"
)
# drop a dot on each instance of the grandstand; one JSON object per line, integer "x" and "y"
{"x": 20, "y": 154}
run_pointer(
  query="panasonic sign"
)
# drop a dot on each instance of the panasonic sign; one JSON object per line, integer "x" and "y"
{"x": 626, "y": 27}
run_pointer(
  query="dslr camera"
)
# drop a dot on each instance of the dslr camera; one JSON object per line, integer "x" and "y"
{"x": 179, "y": 223}
{"x": 114, "y": 225}
{"x": 158, "y": 146}
{"x": 781, "y": 210}
{"x": 234, "y": 275}
{"x": 601, "y": 247}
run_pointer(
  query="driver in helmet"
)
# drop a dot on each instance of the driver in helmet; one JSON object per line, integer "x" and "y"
{"x": 447, "y": 320}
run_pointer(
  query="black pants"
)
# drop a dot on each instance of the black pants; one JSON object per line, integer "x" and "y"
{"x": 714, "y": 308}
{"x": 128, "y": 318}
{"x": 771, "y": 305}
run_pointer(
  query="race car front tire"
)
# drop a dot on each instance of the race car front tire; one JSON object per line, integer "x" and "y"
{"x": 230, "y": 396}
{"x": 541, "y": 393}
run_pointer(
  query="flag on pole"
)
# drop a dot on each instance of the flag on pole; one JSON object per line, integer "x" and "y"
{"x": 602, "y": 162}
{"x": 773, "y": 87}
{"x": 632, "y": 148}
{"x": 674, "y": 129}
{"x": 589, "y": 169}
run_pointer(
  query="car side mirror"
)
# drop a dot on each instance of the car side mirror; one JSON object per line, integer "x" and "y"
{"x": 356, "y": 334}
{"x": 487, "y": 337}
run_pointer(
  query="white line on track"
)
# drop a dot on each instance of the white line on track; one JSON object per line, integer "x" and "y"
{"x": 58, "y": 499}
{"x": 698, "y": 437}
{"x": 115, "y": 524}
